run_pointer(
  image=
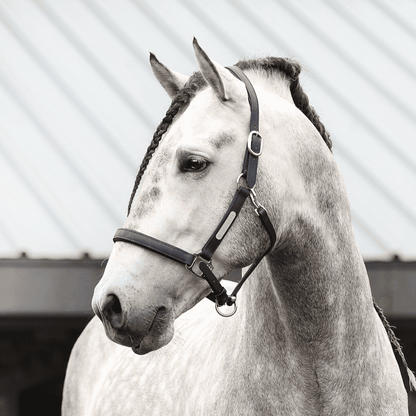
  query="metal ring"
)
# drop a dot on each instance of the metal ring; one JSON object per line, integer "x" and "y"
{"x": 225, "y": 315}
{"x": 238, "y": 182}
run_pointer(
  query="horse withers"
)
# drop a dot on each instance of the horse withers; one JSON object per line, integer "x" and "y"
{"x": 306, "y": 339}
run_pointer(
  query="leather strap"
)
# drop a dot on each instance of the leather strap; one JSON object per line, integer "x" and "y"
{"x": 227, "y": 221}
{"x": 262, "y": 213}
{"x": 250, "y": 160}
{"x": 252, "y": 96}
{"x": 155, "y": 245}
{"x": 219, "y": 292}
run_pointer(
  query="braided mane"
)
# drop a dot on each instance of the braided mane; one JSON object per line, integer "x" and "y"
{"x": 270, "y": 66}
{"x": 291, "y": 70}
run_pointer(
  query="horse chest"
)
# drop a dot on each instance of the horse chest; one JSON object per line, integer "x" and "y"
{"x": 196, "y": 388}
{"x": 203, "y": 375}
{"x": 194, "y": 378}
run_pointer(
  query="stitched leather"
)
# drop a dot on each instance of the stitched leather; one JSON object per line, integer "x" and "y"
{"x": 153, "y": 244}
{"x": 237, "y": 203}
{"x": 264, "y": 217}
{"x": 250, "y": 160}
{"x": 218, "y": 291}
{"x": 252, "y": 96}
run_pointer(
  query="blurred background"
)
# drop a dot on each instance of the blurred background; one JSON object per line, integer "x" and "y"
{"x": 78, "y": 107}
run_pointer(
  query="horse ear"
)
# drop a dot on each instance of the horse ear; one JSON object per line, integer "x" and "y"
{"x": 218, "y": 77}
{"x": 171, "y": 81}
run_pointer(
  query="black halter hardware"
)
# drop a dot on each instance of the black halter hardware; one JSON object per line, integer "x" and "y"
{"x": 201, "y": 263}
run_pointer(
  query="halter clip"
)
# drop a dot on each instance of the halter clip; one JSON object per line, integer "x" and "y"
{"x": 256, "y": 203}
{"x": 197, "y": 271}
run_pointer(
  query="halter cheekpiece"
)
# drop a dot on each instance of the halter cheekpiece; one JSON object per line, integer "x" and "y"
{"x": 200, "y": 263}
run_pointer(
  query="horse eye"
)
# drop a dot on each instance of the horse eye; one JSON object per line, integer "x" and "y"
{"x": 194, "y": 164}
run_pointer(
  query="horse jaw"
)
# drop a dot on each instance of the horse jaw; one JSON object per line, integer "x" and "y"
{"x": 170, "y": 80}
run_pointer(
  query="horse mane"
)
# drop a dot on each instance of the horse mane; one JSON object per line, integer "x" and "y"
{"x": 291, "y": 70}
{"x": 270, "y": 66}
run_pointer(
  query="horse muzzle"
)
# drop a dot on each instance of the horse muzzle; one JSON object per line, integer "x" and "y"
{"x": 143, "y": 328}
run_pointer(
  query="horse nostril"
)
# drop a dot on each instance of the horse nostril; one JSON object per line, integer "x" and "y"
{"x": 113, "y": 311}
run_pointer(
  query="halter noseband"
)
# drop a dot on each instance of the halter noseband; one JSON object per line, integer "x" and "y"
{"x": 201, "y": 263}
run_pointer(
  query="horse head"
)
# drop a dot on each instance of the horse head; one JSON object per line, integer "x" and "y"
{"x": 187, "y": 186}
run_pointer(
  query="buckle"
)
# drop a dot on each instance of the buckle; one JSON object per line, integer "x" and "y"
{"x": 194, "y": 267}
{"x": 250, "y": 140}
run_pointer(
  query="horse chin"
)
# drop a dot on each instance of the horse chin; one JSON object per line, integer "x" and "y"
{"x": 159, "y": 334}
{"x": 153, "y": 342}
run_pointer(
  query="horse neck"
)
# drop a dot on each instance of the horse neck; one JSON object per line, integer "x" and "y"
{"x": 311, "y": 294}
{"x": 308, "y": 325}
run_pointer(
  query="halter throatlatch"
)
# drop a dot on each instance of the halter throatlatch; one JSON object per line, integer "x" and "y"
{"x": 200, "y": 263}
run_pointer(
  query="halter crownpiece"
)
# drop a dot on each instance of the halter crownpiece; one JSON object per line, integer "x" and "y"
{"x": 200, "y": 263}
